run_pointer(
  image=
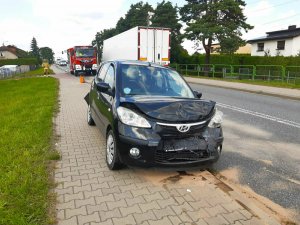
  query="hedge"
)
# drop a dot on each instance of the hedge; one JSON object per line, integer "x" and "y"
{"x": 21, "y": 61}
{"x": 243, "y": 60}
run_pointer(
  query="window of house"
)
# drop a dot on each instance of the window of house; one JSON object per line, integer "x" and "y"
{"x": 260, "y": 47}
{"x": 280, "y": 45}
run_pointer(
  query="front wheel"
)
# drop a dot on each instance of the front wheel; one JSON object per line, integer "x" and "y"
{"x": 112, "y": 159}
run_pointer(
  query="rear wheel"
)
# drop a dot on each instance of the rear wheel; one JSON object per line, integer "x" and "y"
{"x": 112, "y": 158}
{"x": 90, "y": 120}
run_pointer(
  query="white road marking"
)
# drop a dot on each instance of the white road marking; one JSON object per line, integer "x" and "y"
{"x": 284, "y": 177}
{"x": 261, "y": 115}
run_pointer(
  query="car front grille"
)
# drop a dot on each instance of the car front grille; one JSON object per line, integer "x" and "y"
{"x": 182, "y": 150}
{"x": 172, "y": 132}
{"x": 180, "y": 156}
{"x": 88, "y": 66}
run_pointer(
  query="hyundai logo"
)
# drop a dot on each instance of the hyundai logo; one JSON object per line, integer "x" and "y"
{"x": 183, "y": 128}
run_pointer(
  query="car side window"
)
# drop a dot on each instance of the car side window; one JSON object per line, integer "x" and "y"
{"x": 110, "y": 76}
{"x": 102, "y": 72}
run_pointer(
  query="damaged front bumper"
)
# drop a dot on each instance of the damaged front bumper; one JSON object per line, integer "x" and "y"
{"x": 193, "y": 148}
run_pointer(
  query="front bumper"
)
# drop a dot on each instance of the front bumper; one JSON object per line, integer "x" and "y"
{"x": 85, "y": 68}
{"x": 153, "y": 150}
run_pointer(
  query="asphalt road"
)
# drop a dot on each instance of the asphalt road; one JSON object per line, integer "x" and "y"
{"x": 262, "y": 143}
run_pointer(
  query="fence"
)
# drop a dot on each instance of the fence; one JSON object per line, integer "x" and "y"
{"x": 11, "y": 71}
{"x": 288, "y": 74}
{"x": 292, "y": 74}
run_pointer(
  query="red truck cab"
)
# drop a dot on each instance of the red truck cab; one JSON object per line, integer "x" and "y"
{"x": 82, "y": 59}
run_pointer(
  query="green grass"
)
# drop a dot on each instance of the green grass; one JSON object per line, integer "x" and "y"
{"x": 255, "y": 82}
{"x": 27, "y": 107}
{"x": 37, "y": 72}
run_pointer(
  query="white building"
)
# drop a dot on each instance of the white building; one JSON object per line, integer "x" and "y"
{"x": 281, "y": 42}
{"x": 8, "y": 52}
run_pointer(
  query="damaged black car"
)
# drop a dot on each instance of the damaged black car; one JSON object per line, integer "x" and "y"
{"x": 150, "y": 116}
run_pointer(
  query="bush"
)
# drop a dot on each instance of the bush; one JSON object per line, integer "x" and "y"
{"x": 243, "y": 60}
{"x": 21, "y": 61}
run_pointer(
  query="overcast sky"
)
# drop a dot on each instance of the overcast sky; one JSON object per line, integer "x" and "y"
{"x": 60, "y": 24}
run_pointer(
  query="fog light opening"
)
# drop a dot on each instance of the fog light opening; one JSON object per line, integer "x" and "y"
{"x": 134, "y": 152}
{"x": 219, "y": 149}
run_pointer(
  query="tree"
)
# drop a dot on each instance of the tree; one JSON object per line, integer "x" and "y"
{"x": 34, "y": 49}
{"x": 166, "y": 15}
{"x": 137, "y": 15}
{"x": 214, "y": 20}
{"x": 47, "y": 53}
{"x": 230, "y": 44}
{"x": 100, "y": 37}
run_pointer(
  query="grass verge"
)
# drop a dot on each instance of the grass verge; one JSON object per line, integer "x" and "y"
{"x": 27, "y": 107}
{"x": 32, "y": 73}
{"x": 37, "y": 72}
{"x": 279, "y": 84}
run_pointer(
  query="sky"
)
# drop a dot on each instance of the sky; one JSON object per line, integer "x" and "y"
{"x": 61, "y": 24}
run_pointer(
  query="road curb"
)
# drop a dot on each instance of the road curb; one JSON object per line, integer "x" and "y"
{"x": 245, "y": 90}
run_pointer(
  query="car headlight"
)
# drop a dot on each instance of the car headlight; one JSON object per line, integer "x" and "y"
{"x": 217, "y": 120}
{"x": 77, "y": 67}
{"x": 130, "y": 118}
{"x": 94, "y": 67}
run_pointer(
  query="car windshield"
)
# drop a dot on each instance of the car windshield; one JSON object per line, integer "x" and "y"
{"x": 155, "y": 81}
{"x": 85, "y": 52}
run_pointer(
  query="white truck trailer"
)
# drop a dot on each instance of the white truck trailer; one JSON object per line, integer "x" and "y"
{"x": 151, "y": 44}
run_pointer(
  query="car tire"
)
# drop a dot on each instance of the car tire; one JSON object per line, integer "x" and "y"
{"x": 112, "y": 158}
{"x": 90, "y": 120}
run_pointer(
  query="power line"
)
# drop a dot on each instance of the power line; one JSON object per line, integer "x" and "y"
{"x": 272, "y": 21}
{"x": 250, "y": 3}
{"x": 257, "y": 10}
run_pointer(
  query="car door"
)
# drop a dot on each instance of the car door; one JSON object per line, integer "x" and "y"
{"x": 108, "y": 97}
{"x": 96, "y": 98}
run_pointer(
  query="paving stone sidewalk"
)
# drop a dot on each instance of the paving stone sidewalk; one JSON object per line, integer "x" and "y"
{"x": 89, "y": 193}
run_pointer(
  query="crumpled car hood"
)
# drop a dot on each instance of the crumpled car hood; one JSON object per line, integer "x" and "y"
{"x": 171, "y": 109}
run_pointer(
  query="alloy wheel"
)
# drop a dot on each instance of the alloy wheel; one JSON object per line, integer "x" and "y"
{"x": 110, "y": 149}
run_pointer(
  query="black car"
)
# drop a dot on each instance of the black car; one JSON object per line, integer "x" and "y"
{"x": 151, "y": 117}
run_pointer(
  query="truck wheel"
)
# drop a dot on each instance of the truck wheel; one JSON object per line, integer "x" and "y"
{"x": 112, "y": 158}
{"x": 75, "y": 73}
{"x": 72, "y": 72}
{"x": 90, "y": 120}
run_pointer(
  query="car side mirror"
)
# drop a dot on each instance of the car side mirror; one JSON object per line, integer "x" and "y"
{"x": 102, "y": 87}
{"x": 198, "y": 94}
